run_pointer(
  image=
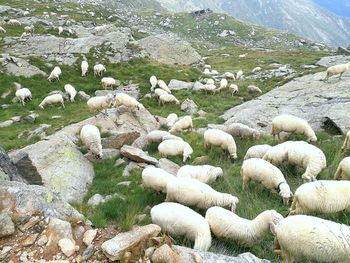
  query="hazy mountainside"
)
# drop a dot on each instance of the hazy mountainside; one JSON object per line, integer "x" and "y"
{"x": 131, "y": 4}
{"x": 302, "y": 17}
{"x": 340, "y": 7}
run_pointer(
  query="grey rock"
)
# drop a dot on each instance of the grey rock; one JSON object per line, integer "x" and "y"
{"x": 343, "y": 51}
{"x": 30, "y": 200}
{"x": 83, "y": 96}
{"x": 137, "y": 155}
{"x": 175, "y": 84}
{"x": 129, "y": 168}
{"x": 169, "y": 49}
{"x": 119, "y": 162}
{"x": 124, "y": 183}
{"x": 201, "y": 113}
{"x": 88, "y": 252}
{"x": 30, "y": 118}
{"x": 8, "y": 168}
{"x": 26, "y": 169}
{"x": 197, "y": 86}
{"x": 168, "y": 166}
{"x": 118, "y": 140}
{"x": 307, "y": 97}
{"x": 333, "y": 60}
{"x": 110, "y": 154}
{"x": 7, "y": 227}
{"x": 95, "y": 200}
{"x": 16, "y": 118}
{"x": 189, "y": 106}
{"x": 115, "y": 248}
{"x": 20, "y": 67}
{"x": 3, "y": 176}
{"x": 5, "y": 106}
{"x": 40, "y": 132}
{"x": 5, "y": 124}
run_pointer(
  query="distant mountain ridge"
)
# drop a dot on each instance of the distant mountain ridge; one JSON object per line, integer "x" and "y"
{"x": 302, "y": 17}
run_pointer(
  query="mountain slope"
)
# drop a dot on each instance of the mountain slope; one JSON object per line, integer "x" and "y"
{"x": 302, "y": 17}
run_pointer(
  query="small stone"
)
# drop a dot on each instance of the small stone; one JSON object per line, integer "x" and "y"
{"x": 88, "y": 252}
{"x": 141, "y": 217}
{"x": 30, "y": 240}
{"x": 89, "y": 236}
{"x": 16, "y": 118}
{"x": 125, "y": 183}
{"x": 168, "y": 166}
{"x": 30, "y": 118}
{"x": 56, "y": 117}
{"x": 95, "y": 200}
{"x": 5, "y": 250}
{"x": 201, "y": 113}
{"x": 189, "y": 106}
{"x": 67, "y": 246}
{"x": 201, "y": 160}
{"x": 5, "y": 106}
{"x": 83, "y": 96}
{"x": 7, "y": 227}
{"x": 78, "y": 232}
{"x": 42, "y": 240}
{"x": 119, "y": 162}
{"x": 6, "y": 123}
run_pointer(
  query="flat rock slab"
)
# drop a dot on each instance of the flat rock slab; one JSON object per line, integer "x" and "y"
{"x": 22, "y": 68}
{"x": 169, "y": 49}
{"x": 307, "y": 97}
{"x": 115, "y": 248}
{"x": 333, "y": 60}
{"x": 137, "y": 155}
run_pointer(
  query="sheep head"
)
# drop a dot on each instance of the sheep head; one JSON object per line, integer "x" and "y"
{"x": 285, "y": 192}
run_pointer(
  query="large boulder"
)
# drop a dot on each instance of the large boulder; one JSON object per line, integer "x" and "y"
{"x": 61, "y": 167}
{"x": 333, "y": 60}
{"x": 307, "y": 97}
{"x": 170, "y": 49}
{"x": 20, "y": 67}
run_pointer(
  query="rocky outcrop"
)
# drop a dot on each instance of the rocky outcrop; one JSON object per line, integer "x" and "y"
{"x": 20, "y": 67}
{"x": 307, "y": 97}
{"x": 333, "y": 60}
{"x": 169, "y": 49}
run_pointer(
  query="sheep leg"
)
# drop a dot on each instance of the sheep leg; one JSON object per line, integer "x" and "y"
{"x": 63, "y": 105}
{"x": 340, "y": 75}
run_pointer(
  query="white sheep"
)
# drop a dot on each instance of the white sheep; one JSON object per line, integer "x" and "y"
{"x": 343, "y": 170}
{"x": 2, "y": 30}
{"x": 156, "y": 178}
{"x": 207, "y": 66}
{"x": 108, "y": 82}
{"x": 99, "y": 69}
{"x": 206, "y": 71}
{"x": 84, "y": 68}
{"x": 229, "y": 75}
{"x": 22, "y": 94}
{"x": 156, "y": 136}
{"x": 69, "y": 89}
{"x": 52, "y": 99}
{"x": 91, "y": 138}
{"x": 313, "y": 239}
{"x": 299, "y": 153}
{"x": 337, "y": 69}
{"x": 123, "y": 99}
{"x": 222, "y": 139}
{"x": 256, "y": 69}
{"x": 191, "y": 192}
{"x": 204, "y": 173}
{"x": 14, "y": 22}
{"x": 257, "y": 151}
{"x": 268, "y": 175}
{"x": 346, "y": 144}
{"x": 209, "y": 87}
{"x": 60, "y": 30}
{"x": 174, "y": 148}
{"x": 171, "y": 137}
{"x": 185, "y": 123}
{"x": 210, "y": 82}
{"x": 239, "y": 74}
{"x": 153, "y": 81}
{"x": 168, "y": 98}
{"x": 323, "y": 196}
{"x": 97, "y": 104}
{"x": 171, "y": 119}
{"x": 225, "y": 224}
{"x": 233, "y": 89}
{"x": 241, "y": 130}
{"x": 223, "y": 83}
{"x": 160, "y": 92}
{"x": 179, "y": 220}
{"x": 55, "y": 74}
{"x": 295, "y": 125}
{"x": 254, "y": 89}
{"x": 214, "y": 72}
{"x": 29, "y": 30}
{"x": 163, "y": 86}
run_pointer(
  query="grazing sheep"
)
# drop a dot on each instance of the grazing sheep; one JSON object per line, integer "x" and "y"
{"x": 156, "y": 178}
{"x": 214, "y": 72}
{"x": 257, "y": 151}
{"x": 174, "y": 148}
{"x": 22, "y": 94}
{"x": 239, "y": 75}
{"x": 209, "y": 87}
{"x": 254, "y": 89}
{"x": 323, "y": 196}
{"x": 225, "y": 224}
{"x": 29, "y": 30}
{"x": 108, "y": 82}
{"x": 346, "y": 144}
{"x": 257, "y": 69}
{"x": 190, "y": 192}
{"x": 337, "y": 69}
{"x": 171, "y": 137}
{"x": 268, "y": 175}
{"x": 14, "y": 22}
{"x": 290, "y": 123}
{"x": 123, "y": 99}
{"x": 222, "y": 139}
{"x": 343, "y": 170}
{"x": 91, "y": 138}
{"x": 60, "y": 30}
{"x": 153, "y": 80}
{"x": 179, "y": 220}
{"x": 313, "y": 239}
{"x": 52, "y": 99}
{"x": 84, "y": 68}
{"x": 2, "y": 30}
{"x": 185, "y": 123}
{"x": 99, "y": 69}
{"x": 55, "y": 74}
{"x": 164, "y": 86}
{"x": 229, "y": 75}
{"x": 171, "y": 119}
{"x": 223, "y": 83}
{"x": 300, "y": 153}
{"x": 207, "y": 66}
{"x": 210, "y": 82}
{"x": 97, "y": 104}
{"x": 160, "y": 92}
{"x": 71, "y": 91}
{"x": 168, "y": 98}
{"x": 233, "y": 89}
{"x": 241, "y": 130}
{"x": 204, "y": 173}
{"x": 156, "y": 136}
